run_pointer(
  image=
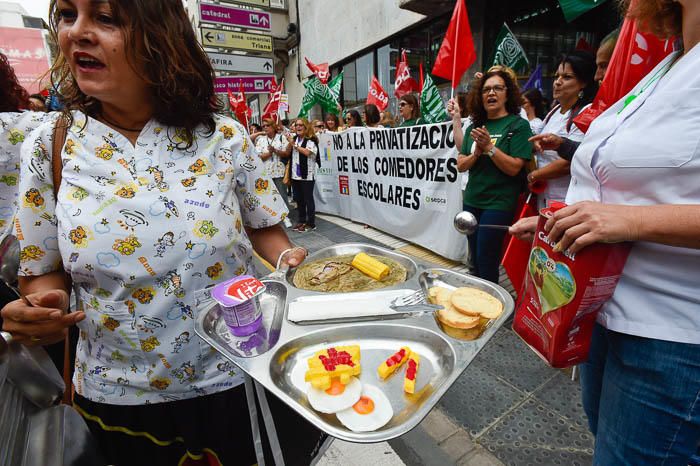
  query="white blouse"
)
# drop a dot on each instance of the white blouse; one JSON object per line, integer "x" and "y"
{"x": 645, "y": 154}
{"x": 311, "y": 161}
{"x": 275, "y": 164}
{"x": 556, "y": 187}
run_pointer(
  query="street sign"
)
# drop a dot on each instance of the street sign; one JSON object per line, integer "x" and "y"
{"x": 262, "y": 3}
{"x": 240, "y": 63}
{"x": 236, "y": 40}
{"x": 251, "y": 84}
{"x": 232, "y": 16}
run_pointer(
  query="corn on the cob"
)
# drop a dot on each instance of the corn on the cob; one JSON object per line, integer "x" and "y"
{"x": 370, "y": 266}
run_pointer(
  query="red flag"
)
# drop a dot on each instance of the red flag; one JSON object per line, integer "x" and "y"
{"x": 515, "y": 260}
{"x": 635, "y": 55}
{"x": 583, "y": 44}
{"x": 404, "y": 83}
{"x": 272, "y": 108}
{"x": 457, "y": 52}
{"x": 239, "y": 106}
{"x": 321, "y": 71}
{"x": 420, "y": 73}
{"x": 377, "y": 95}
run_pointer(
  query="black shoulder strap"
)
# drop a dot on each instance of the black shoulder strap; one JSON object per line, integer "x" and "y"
{"x": 574, "y": 113}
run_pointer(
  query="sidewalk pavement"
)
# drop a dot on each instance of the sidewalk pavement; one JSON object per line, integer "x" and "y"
{"x": 508, "y": 407}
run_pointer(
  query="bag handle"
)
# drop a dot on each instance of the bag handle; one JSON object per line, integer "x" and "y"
{"x": 60, "y": 132}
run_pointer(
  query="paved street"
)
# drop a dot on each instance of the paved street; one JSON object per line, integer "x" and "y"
{"x": 508, "y": 407}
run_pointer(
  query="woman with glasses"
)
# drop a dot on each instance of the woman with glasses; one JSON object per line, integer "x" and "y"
{"x": 304, "y": 161}
{"x": 273, "y": 149}
{"x": 495, "y": 150}
{"x": 319, "y": 127}
{"x": 352, "y": 119}
{"x": 409, "y": 110}
{"x": 574, "y": 89}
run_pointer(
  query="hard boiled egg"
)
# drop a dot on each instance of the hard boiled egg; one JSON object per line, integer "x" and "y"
{"x": 371, "y": 412}
{"x": 337, "y": 398}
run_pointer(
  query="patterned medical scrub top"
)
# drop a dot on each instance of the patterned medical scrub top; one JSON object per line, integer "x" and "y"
{"x": 143, "y": 230}
{"x": 14, "y": 128}
{"x": 274, "y": 165}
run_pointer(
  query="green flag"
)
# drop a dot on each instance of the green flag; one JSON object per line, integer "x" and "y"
{"x": 334, "y": 85}
{"x": 310, "y": 96}
{"x": 572, "y": 9}
{"x": 432, "y": 108}
{"x": 509, "y": 52}
{"x": 328, "y": 97}
{"x": 322, "y": 94}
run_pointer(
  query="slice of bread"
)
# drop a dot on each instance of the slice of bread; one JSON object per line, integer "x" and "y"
{"x": 474, "y": 302}
{"x": 453, "y": 318}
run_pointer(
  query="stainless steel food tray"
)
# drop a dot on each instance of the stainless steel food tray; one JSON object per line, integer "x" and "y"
{"x": 276, "y": 355}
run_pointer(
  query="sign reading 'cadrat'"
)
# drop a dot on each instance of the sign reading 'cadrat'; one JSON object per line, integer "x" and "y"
{"x": 232, "y": 16}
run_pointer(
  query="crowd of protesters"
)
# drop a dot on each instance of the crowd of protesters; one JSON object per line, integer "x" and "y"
{"x": 508, "y": 142}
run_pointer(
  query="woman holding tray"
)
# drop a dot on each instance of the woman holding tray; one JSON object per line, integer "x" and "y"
{"x": 635, "y": 178}
{"x": 160, "y": 196}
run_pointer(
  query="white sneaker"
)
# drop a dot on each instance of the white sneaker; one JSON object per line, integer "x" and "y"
{"x": 287, "y": 223}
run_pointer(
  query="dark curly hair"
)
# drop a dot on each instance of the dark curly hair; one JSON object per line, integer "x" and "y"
{"x": 162, "y": 47}
{"x": 13, "y": 97}
{"x": 475, "y": 101}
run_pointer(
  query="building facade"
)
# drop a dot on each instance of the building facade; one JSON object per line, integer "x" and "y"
{"x": 365, "y": 38}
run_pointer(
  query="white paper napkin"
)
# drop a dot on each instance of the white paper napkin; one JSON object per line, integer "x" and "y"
{"x": 343, "y": 305}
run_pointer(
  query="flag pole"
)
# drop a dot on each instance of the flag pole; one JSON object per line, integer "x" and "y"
{"x": 454, "y": 58}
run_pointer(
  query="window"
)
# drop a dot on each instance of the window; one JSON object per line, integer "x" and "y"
{"x": 278, "y": 4}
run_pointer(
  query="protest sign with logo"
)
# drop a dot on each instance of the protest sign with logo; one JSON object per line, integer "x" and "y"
{"x": 403, "y": 181}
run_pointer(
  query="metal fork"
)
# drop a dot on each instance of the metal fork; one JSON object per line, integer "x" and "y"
{"x": 414, "y": 302}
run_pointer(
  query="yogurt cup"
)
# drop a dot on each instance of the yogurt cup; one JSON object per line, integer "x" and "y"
{"x": 239, "y": 299}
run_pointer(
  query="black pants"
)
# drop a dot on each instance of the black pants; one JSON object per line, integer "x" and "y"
{"x": 304, "y": 195}
{"x": 207, "y": 430}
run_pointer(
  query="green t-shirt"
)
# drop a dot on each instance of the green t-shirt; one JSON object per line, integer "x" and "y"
{"x": 412, "y": 122}
{"x": 489, "y": 187}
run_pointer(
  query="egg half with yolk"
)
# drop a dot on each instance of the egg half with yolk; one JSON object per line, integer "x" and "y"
{"x": 337, "y": 398}
{"x": 372, "y": 411}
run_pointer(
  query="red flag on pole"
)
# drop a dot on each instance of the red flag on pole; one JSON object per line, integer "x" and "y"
{"x": 272, "y": 108}
{"x": 420, "y": 73}
{"x": 239, "y": 106}
{"x": 404, "y": 83}
{"x": 321, "y": 71}
{"x": 457, "y": 52}
{"x": 377, "y": 95}
{"x": 515, "y": 260}
{"x": 635, "y": 55}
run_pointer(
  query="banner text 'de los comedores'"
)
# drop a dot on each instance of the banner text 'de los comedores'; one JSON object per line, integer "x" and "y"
{"x": 403, "y": 181}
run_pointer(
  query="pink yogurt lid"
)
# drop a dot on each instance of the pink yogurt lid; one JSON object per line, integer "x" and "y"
{"x": 237, "y": 290}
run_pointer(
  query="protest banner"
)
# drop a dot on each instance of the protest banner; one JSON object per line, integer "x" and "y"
{"x": 403, "y": 181}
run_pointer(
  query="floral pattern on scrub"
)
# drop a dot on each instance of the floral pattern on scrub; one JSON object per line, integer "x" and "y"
{"x": 14, "y": 128}
{"x": 143, "y": 231}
